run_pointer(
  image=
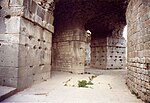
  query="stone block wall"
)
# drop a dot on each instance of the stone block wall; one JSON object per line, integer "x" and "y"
{"x": 116, "y": 53}
{"x": 69, "y": 51}
{"x": 25, "y": 43}
{"x": 108, "y": 53}
{"x": 138, "y": 21}
{"x": 99, "y": 53}
{"x": 9, "y": 42}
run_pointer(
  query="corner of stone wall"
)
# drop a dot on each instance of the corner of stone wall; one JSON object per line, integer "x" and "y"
{"x": 25, "y": 43}
{"x": 108, "y": 53}
{"x": 10, "y": 12}
{"x": 35, "y": 43}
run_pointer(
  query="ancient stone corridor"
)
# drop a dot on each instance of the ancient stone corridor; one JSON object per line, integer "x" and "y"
{"x": 68, "y": 36}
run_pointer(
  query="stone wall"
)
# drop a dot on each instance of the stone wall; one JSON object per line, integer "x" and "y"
{"x": 108, "y": 53}
{"x": 69, "y": 51}
{"x": 116, "y": 53}
{"x": 138, "y": 21}
{"x": 9, "y": 42}
{"x": 99, "y": 53}
{"x": 87, "y": 54}
{"x": 26, "y": 38}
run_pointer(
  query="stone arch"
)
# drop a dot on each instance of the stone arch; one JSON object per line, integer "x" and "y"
{"x": 102, "y": 18}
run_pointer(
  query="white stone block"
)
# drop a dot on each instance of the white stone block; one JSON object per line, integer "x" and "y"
{"x": 12, "y": 25}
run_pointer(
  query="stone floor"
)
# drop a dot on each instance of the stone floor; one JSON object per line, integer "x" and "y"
{"x": 109, "y": 87}
{"x": 6, "y": 92}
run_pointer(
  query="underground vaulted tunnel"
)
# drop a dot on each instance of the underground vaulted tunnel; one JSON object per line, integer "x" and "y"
{"x": 37, "y": 36}
{"x": 106, "y": 21}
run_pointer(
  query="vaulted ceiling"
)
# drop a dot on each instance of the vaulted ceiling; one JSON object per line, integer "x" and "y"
{"x": 101, "y": 17}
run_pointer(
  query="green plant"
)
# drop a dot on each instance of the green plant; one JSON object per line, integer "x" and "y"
{"x": 82, "y": 83}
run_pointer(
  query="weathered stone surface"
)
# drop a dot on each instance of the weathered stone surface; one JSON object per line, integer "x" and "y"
{"x": 12, "y": 57}
{"x": 138, "y": 48}
{"x": 25, "y": 43}
{"x": 69, "y": 51}
{"x": 34, "y": 53}
{"x": 10, "y": 26}
{"x": 16, "y": 3}
{"x": 9, "y": 38}
{"x": 108, "y": 53}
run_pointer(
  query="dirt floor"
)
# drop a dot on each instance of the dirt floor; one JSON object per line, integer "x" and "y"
{"x": 109, "y": 86}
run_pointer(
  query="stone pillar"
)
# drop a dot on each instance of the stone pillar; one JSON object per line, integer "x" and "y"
{"x": 69, "y": 50}
{"x": 108, "y": 53}
{"x": 138, "y": 21}
{"x": 26, "y": 35}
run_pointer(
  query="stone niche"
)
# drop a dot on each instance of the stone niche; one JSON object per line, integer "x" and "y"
{"x": 25, "y": 43}
{"x": 138, "y": 21}
{"x": 108, "y": 53}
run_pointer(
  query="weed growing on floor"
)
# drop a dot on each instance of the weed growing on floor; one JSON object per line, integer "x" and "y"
{"x": 83, "y": 83}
